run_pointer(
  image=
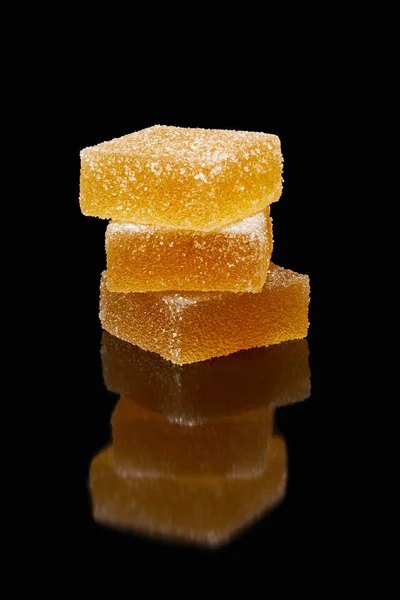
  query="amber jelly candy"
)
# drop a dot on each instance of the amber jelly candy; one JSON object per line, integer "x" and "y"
{"x": 195, "y": 326}
{"x": 142, "y": 258}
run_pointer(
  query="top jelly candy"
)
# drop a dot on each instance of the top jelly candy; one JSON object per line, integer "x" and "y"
{"x": 199, "y": 179}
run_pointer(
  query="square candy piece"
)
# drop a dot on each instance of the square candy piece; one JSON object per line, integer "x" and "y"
{"x": 212, "y": 389}
{"x": 198, "y": 179}
{"x": 195, "y": 326}
{"x": 235, "y": 258}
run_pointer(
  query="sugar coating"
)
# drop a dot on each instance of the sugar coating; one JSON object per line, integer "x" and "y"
{"x": 199, "y": 179}
{"x": 143, "y": 258}
{"x": 202, "y": 510}
{"x": 147, "y": 444}
{"x": 216, "y": 388}
{"x": 194, "y": 326}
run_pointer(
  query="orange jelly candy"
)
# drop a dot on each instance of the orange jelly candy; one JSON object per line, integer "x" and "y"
{"x": 205, "y": 510}
{"x": 193, "y": 393}
{"x": 199, "y": 179}
{"x": 143, "y": 258}
{"x": 195, "y": 326}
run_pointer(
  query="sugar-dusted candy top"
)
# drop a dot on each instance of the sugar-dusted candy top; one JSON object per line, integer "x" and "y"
{"x": 206, "y": 149}
{"x": 191, "y": 178}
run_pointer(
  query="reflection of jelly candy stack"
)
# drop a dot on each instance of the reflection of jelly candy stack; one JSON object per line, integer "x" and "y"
{"x": 193, "y": 393}
{"x": 189, "y": 246}
{"x": 194, "y": 457}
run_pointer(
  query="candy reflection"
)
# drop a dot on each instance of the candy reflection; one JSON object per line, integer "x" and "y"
{"x": 250, "y": 379}
{"x": 202, "y": 510}
{"x": 194, "y": 457}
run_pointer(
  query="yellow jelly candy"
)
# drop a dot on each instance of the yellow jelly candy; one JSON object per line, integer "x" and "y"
{"x": 198, "y": 179}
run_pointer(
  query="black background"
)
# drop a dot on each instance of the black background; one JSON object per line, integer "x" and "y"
{"x": 80, "y": 407}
